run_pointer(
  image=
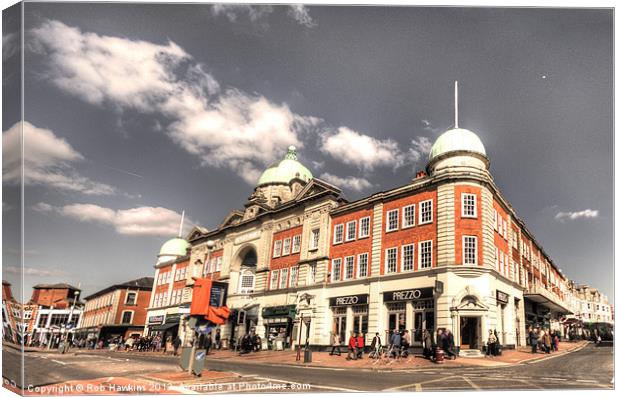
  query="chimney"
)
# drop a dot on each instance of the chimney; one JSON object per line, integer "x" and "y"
{"x": 420, "y": 174}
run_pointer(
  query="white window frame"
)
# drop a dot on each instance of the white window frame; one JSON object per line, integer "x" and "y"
{"x": 402, "y": 257}
{"x": 464, "y": 206}
{"x": 218, "y": 263}
{"x": 339, "y": 233}
{"x": 346, "y": 267}
{"x": 420, "y": 262}
{"x": 421, "y": 220}
{"x": 348, "y": 236}
{"x": 277, "y": 249}
{"x": 387, "y": 220}
{"x": 405, "y": 208}
{"x": 123, "y": 315}
{"x": 359, "y": 265}
{"x": 495, "y": 219}
{"x": 283, "y": 278}
{"x": 293, "y": 276}
{"x": 337, "y": 261}
{"x": 387, "y": 260}
{"x": 361, "y": 228}
{"x": 505, "y": 231}
{"x": 296, "y": 244}
{"x": 501, "y": 262}
{"x": 274, "y": 279}
{"x": 127, "y": 298}
{"x": 286, "y": 247}
{"x": 315, "y": 235}
{"x": 464, "y": 253}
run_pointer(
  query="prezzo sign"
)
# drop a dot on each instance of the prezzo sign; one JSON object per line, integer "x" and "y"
{"x": 408, "y": 294}
{"x": 349, "y": 300}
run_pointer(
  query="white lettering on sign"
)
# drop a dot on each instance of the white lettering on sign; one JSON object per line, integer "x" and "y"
{"x": 407, "y": 295}
{"x": 247, "y": 237}
{"x": 347, "y": 300}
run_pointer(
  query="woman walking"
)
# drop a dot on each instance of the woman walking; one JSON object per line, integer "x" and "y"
{"x": 335, "y": 343}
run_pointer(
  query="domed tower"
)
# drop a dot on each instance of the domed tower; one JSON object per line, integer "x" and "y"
{"x": 279, "y": 183}
{"x": 174, "y": 248}
{"x": 457, "y": 149}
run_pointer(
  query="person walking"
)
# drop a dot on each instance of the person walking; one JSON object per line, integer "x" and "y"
{"x": 533, "y": 339}
{"x": 491, "y": 341}
{"x": 547, "y": 342}
{"x": 218, "y": 339}
{"x": 405, "y": 342}
{"x": 395, "y": 343}
{"x": 427, "y": 344}
{"x": 352, "y": 346}
{"x": 497, "y": 351}
{"x": 175, "y": 345}
{"x": 375, "y": 347}
{"x": 359, "y": 345}
{"x": 208, "y": 343}
{"x": 448, "y": 346}
{"x": 553, "y": 341}
{"x": 335, "y": 344}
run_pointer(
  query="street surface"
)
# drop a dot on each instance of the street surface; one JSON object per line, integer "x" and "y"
{"x": 588, "y": 368}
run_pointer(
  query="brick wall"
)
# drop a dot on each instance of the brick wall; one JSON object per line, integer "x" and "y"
{"x": 467, "y": 226}
{"x": 354, "y": 247}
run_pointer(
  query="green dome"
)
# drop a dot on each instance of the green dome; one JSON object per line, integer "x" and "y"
{"x": 286, "y": 170}
{"x": 174, "y": 247}
{"x": 457, "y": 139}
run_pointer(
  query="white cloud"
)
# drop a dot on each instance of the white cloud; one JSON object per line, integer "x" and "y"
{"x": 421, "y": 147}
{"x": 363, "y": 151}
{"x": 48, "y": 161}
{"x": 31, "y": 271}
{"x": 140, "y": 221}
{"x": 349, "y": 182}
{"x": 300, "y": 13}
{"x": 573, "y": 215}
{"x": 233, "y": 129}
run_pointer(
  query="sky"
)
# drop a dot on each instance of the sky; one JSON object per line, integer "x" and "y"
{"x": 135, "y": 113}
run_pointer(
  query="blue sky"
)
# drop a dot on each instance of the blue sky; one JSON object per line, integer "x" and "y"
{"x": 137, "y": 112}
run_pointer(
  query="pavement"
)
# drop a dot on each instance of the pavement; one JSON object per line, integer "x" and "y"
{"x": 577, "y": 366}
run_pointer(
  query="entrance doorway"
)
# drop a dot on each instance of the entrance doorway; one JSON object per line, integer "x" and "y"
{"x": 469, "y": 332}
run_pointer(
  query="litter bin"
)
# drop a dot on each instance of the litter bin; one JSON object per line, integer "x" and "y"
{"x": 439, "y": 355}
{"x": 307, "y": 356}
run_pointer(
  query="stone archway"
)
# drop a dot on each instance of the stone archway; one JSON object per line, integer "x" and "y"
{"x": 469, "y": 316}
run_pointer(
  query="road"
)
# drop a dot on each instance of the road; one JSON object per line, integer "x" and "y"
{"x": 588, "y": 368}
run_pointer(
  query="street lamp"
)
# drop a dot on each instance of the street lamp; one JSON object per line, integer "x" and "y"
{"x": 65, "y": 346}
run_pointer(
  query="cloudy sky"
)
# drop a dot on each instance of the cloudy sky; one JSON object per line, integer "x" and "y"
{"x": 134, "y": 113}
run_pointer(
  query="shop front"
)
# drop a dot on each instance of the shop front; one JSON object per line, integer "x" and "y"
{"x": 278, "y": 323}
{"x": 410, "y": 309}
{"x": 349, "y": 314}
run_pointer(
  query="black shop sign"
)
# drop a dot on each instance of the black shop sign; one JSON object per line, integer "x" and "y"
{"x": 501, "y": 296}
{"x": 408, "y": 294}
{"x": 349, "y": 300}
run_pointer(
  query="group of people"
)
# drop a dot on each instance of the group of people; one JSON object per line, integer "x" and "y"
{"x": 543, "y": 340}
{"x": 494, "y": 347}
{"x": 249, "y": 342}
{"x": 444, "y": 340}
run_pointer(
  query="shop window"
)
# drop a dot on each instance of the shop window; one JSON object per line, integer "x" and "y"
{"x": 339, "y": 326}
{"x": 360, "y": 319}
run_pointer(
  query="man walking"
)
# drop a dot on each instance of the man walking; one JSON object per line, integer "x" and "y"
{"x": 359, "y": 345}
{"x": 352, "y": 346}
{"x": 375, "y": 346}
{"x": 533, "y": 339}
{"x": 335, "y": 343}
{"x": 395, "y": 342}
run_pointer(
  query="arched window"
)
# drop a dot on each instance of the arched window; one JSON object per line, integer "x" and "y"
{"x": 246, "y": 282}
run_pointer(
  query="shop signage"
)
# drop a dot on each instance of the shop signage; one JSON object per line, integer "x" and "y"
{"x": 156, "y": 319}
{"x": 173, "y": 318}
{"x": 279, "y": 311}
{"x": 247, "y": 237}
{"x": 501, "y": 296}
{"x": 408, "y": 294}
{"x": 439, "y": 287}
{"x": 349, "y": 300}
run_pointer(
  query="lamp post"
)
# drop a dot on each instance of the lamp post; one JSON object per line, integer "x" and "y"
{"x": 65, "y": 346}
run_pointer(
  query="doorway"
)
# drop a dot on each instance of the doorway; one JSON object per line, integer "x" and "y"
{"x": 469, "y": 332}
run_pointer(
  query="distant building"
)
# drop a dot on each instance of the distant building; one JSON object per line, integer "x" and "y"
{"x": 58, "y": 311}
{"x": 118, "y": 311}
{"x": 10, "y": 313}
{"x": 59, "y": 295}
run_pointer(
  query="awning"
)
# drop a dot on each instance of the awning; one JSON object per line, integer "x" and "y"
{"x": 164, "y": 327}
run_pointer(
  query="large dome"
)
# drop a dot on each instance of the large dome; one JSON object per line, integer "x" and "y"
{"x": 174, "y": 247}
{"x": 457, "y": 139}
{"x": 286, "y": 170}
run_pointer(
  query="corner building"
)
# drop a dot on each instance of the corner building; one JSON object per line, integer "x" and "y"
{"x": 443, "y": 251}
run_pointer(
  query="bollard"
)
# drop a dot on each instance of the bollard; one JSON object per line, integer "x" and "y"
{"x": 438, "y": 355}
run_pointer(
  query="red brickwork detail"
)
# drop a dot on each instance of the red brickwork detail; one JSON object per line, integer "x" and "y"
{"x": 500, "y": 241}
{"x": 57, "y": 297}
{"x": 467, "y": 226}
{"x": 354, "y": 247}
{"x": 292, "y": 259}
{"x": 139, "y": 308}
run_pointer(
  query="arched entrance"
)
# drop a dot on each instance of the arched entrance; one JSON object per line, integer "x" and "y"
{"x": 468, "y": 318}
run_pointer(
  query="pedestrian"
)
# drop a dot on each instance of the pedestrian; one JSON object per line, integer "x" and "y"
{"x": 557, "y": 342}
{"x": 491, "y": 344}
{"x": 533, "y": 339}
{"x": 335, "y": 343}
{"x": 208, "y": 342}
{"x": 497, "y": 351}
{"x": 553, "y": 341}
{"x": 449, "y": 344}
{"x": 427, "y": 344}
{"x": 218, "y": 339}
{"x": 352, "y": 355}
{"x": 176, "y": 344}
{"x": 375, "y": 347}
{"x": 546, "y": 341}
{"x": 360, "y": 345}
{"x": 395, "y": 343}
{"x": 405, "y": 342}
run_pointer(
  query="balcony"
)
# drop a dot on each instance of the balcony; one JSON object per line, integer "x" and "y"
{"x": 542, "y": 296}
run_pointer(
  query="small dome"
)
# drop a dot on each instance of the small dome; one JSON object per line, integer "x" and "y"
{"x": 174, "y": 247}
{"x": 457, "y": 139}
{"x": 286, "y": 170}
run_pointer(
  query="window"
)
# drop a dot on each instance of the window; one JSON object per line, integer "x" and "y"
{"x": 312, "y": 274}
{"x": 349, "y": 267}
{"x": 277, "y": 249}
{"x": 43, "y": 320}
{"x": 392, "y": 221}
{"x": 499, "y": 225}
{"x": 247, "y": 282}
{"x": 351, "y": 230}
{"x": 494, "y": 219}
{"x": 296, "y": 243}
{"x": 425, "y": 254}
{"x": 127, "y": 317}
{"x": 273, "y": 284}
{"x": 364, "y": 227}
{"x": 336, "y": 268}
{"x": 131, "y": 298}
{"x": 426, "y": 211}
{"x": 470, "y": 250}
{"x": 468, "y": 205}
{"x": 390, "y": 260}
{"x": 218, "y": 264}
{"x": 407, "y": 257}
{"x": 168, "y": 277}
{"x": 338, "y": 233}
{"x": 497, "y": 258}
{"x": 501, "y": 262}
{"x": 409, "y": 216}
{"x": 505, "y": 232}
{"x": 293, "y": 280}
{"x": 286, "y": 248}
{"x": 362, "y": 265}
{"x": 283, "y": 277}
{"x": 314, "y": 239}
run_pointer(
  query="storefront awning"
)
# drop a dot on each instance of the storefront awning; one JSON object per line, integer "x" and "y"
{"x": 164, "y": 327}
